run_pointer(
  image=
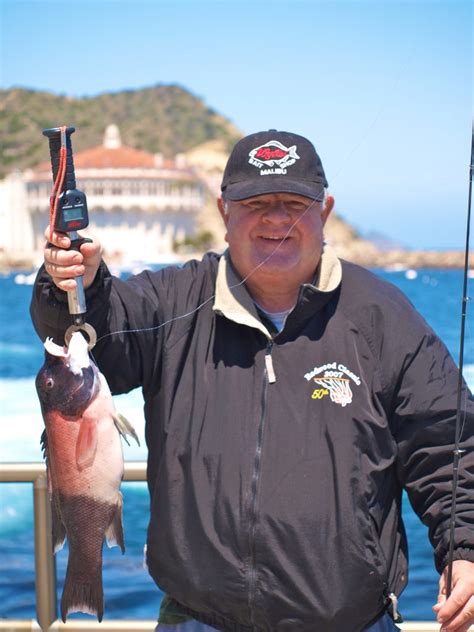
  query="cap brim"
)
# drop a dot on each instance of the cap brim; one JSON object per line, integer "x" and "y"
{"x": 271, "y": 184}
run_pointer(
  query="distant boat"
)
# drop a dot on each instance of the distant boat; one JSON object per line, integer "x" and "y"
{"x": 395, "y": 267}
{"x": 135, "y": 266}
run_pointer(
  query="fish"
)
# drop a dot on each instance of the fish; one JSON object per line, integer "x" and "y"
{"x": 84, "y": 462}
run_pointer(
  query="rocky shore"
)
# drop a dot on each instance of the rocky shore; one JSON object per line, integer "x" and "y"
{"x": 351, "y": 247}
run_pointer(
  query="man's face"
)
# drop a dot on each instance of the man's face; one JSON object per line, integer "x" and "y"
{"x": 280, "y": 233}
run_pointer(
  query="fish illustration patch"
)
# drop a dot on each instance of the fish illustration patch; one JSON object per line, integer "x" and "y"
{"x": 273, "y": 158}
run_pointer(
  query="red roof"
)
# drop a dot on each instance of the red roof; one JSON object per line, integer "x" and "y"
{"x": 123, "y": 157}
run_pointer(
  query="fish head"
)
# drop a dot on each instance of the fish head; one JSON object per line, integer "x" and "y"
{"x": 68, "y": 381}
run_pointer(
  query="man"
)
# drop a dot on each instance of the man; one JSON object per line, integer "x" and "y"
{"x": 289, "y": 399}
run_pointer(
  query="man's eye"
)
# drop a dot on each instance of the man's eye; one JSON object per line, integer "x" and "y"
{"x": 298, "y": 207}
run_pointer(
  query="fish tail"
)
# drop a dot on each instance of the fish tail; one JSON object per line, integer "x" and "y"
{"x": 82, "y": 596}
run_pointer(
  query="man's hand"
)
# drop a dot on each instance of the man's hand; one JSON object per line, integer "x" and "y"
{"x": 64, "y": 265}
{"x": 456, "y": 614}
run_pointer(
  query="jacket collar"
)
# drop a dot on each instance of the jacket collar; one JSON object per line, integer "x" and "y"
{"x": 232, "y": 298}
{"x": 233, "y": 301}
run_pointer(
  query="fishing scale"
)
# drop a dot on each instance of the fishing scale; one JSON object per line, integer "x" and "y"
{"x": 68, "y": 214}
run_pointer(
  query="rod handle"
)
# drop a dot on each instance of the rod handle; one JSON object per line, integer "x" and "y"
{"x": 54, "y": 136}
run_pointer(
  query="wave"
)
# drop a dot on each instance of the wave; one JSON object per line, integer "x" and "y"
{"x": 468, "y": 374}
{"x": 13, "y": 348}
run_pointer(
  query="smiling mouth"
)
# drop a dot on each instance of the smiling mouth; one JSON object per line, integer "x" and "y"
{"x": 274, "y": 239}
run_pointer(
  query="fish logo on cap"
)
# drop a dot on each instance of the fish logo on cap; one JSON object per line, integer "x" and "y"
{"x": 273, "y": 158}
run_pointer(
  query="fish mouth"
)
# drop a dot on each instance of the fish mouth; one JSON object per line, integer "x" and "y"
{"x": 75, "y": 357}
{"x": 55, "y": 350}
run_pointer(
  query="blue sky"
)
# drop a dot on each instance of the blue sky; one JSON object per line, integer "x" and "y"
{"x": 382, "y": 88}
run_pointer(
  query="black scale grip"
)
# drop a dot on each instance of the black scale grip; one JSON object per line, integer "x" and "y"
{"x": 54, "y": 135}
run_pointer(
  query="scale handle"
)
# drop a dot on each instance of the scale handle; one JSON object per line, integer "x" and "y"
{"x": 54, "y": 136}
{"x": 76, "y": 298}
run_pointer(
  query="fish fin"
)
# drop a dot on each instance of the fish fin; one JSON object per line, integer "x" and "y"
{"x": 79, "y": 596}
{"x": 114, "y": 532}
{"x": 86, "y": 446}
{"x": 124, "y": 427}
{"x": 44, "y": 444}
{"x": 44, "y": 450}
{"x": 58, "y": 528}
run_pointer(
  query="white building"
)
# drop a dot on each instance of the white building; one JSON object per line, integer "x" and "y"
{"x": 139, "y": 203}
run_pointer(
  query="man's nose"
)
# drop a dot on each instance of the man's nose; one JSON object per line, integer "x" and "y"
{"x": 277, "y": 213}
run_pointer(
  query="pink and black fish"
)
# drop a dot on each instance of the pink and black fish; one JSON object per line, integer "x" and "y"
{"x": 84, "y": 460}
{"x": 273, "y": 152}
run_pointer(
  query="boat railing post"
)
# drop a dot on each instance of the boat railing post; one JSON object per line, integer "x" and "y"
{"x": 45, "y": 565}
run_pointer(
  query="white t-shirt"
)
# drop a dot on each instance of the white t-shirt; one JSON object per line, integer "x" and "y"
{"x": 277, "y": 318}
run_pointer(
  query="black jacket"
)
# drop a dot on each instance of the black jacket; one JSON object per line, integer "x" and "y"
{"x": 276, "y": 499}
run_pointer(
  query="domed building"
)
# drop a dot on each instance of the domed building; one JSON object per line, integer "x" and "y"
{"x": 139, "y": 203}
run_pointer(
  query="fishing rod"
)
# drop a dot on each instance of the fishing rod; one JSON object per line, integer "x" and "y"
{"x": 68, "y": 214}
{"x": 458, "y": 429}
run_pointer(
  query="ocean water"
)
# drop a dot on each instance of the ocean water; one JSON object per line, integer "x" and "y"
{"x": 129, "y": 592}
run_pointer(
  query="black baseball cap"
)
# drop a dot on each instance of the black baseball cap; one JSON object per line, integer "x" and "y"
{"x": 273, "y": 162}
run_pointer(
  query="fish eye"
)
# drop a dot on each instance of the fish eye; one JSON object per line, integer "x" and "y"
{"x": 49, "y": 383}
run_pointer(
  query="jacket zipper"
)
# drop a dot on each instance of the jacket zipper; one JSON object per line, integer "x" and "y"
{"x": 268, "y": 378}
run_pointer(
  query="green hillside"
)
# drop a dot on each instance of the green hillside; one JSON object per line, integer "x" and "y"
{"x": 162, "y": 118}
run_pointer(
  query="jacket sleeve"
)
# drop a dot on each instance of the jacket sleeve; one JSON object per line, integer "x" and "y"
{"x": 115, "y": 309}
{"x": 423, "y": 383}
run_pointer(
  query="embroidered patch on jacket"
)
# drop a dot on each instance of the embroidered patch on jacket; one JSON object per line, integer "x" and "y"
{"x": 273, "y": 158}
{"x": 333, "y": 379}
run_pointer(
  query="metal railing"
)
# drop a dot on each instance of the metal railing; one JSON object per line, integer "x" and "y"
{"x": 45, "y": 567}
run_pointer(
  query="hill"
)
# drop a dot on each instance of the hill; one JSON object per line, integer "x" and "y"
{"x": 163, "y": 118}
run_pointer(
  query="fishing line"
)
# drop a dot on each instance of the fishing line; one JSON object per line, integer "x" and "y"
{"x": 381, "y": 109}
{"x": 232, "y": 287}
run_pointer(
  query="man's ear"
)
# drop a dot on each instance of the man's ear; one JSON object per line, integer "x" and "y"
{"x": 328, "y": 206}
{"x": 222, "y": 206}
